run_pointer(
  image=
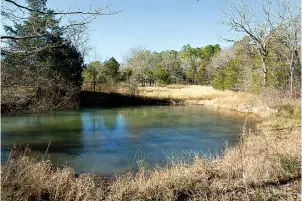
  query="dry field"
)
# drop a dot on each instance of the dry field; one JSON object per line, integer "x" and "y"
{"x": 265, "y": 165}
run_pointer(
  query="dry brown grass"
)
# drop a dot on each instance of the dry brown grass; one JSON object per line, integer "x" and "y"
{"x": 204, "y": 95}
{"x": 265, "y": 165}
{"x": 186, "y": 92}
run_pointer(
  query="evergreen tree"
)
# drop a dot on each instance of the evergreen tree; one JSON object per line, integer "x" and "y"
{"x": 125, "y": 74}
{"x": 218, "y": 81}
{"x": 162, "y": 76}
{"x": 202, "y": 74}
{"x": 111, "y": 70}
{"x": 232, "y": 75}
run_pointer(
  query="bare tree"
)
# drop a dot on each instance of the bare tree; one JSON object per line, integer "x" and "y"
{"x": 140, "y": 61}
{"x": 171, "y": 62}
{"x": 257, "y": 19}
{"x": 220, "y": 60}
{"x": 189, "y": 66}
{"x": 289, "y": 34}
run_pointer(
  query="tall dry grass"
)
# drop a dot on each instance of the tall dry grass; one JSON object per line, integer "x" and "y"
{"x": 205, "y": 95}
{"x": 186, "y": 92}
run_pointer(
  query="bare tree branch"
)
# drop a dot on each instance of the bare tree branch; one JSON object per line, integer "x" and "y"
{"x": 95, "y": 12}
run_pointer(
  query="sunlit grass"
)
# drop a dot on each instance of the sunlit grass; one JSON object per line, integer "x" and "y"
{"x": 200, "y": 95}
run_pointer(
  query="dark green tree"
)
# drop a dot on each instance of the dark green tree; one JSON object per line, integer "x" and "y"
{"x": 217, "y": 48}
{"x": 162, "y": 76}
{"x": 125, "y": 74}
{"x": 92, "y": 75}
{"x": 208, "y": 51}
{"x": 232, "y": 75}
{"x": 218, "y": 81}
{"x": 202, "y": 73}
{"x": 111, "y": 70}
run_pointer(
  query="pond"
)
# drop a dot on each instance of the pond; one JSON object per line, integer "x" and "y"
{"x": 106, "y": 141}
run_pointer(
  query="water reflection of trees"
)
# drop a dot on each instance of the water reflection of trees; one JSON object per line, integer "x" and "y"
{"x": 63, "y": 130}
{"x": 143, "y": 120}
{"x": 111, "y": 119}
{"x": 101, "y": 129}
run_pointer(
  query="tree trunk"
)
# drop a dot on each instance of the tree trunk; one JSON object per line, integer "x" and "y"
{"x": 264, "y": 71}
{"x": 291, "y": 68}
{"x": 291, "y": 83}
{"x": 94, "y": 79}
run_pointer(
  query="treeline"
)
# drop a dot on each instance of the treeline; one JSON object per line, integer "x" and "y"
{"x": 237, "y": 68}
{"x": 150, "y": 68}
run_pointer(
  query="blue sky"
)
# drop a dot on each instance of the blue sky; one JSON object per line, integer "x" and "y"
{"x": 153, "y": 24}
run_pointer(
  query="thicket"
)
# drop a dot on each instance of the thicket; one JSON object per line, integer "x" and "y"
{"x": 42, "y": 56}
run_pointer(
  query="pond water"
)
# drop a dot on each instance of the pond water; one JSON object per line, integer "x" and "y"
{"x": 107, "y": 141}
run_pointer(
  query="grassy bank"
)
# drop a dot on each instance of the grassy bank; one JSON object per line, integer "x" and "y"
{"x": 262, "y": 105}
{"x": 265, "y": 165}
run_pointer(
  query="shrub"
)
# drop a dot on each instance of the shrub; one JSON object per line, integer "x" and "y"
{"x": 290, "y": 165}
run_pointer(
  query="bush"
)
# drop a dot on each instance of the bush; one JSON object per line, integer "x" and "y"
{"x": 290, "y": 165}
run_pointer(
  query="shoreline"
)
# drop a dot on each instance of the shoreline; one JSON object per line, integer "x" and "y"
{"x": 119, "y": 96}
{"x": 114, "y": 100}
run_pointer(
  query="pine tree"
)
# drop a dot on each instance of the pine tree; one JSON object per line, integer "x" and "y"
{"x": 218, "y": 81}
{"x": 111, "y": 70}
{"x": 232, "y": 75}
{"x": 202, "y": 73}
{"x": 162, "y": 76}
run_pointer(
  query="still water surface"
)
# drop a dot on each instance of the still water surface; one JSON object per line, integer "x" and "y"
{"x": 110, "y": 141}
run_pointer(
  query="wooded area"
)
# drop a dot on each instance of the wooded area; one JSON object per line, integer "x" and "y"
{"x": 42, "y": 58}
{"x": 267, "y": 56}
